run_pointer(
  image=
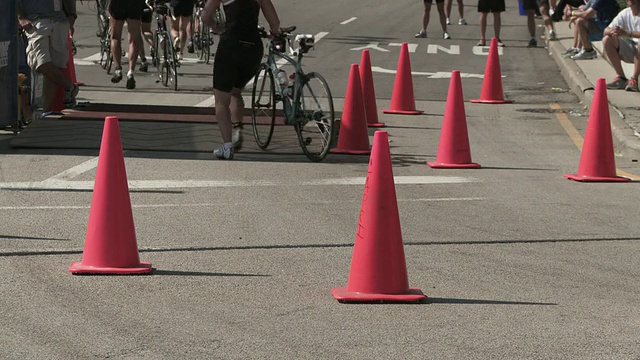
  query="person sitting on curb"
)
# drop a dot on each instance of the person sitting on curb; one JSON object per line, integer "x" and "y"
{"x": 620, "y": 43}
{"x": 590, "y": 22}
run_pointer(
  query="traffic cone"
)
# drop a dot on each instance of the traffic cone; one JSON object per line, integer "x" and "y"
{"x": 402, "y": 100}
{"x": 368, "y": 91}
{"x": 378, "y": 270}
{"x": 110, "y": 245}
{"x": 71, "y": 66}
{"x": 492, "y": 84}
{"x": 597, "y": 162}
{"x": 454, "y": 150}
{"x": 353, "y": 137}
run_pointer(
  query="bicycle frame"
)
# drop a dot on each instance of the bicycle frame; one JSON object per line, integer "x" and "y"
{"x": 290, "y": 104}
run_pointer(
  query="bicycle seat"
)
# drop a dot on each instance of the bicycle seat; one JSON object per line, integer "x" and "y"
{"x": 162, "y": 9}
{"x": 288, "y": 29}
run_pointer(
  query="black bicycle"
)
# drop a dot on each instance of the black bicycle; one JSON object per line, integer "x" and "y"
{"x": 164, "y": 58}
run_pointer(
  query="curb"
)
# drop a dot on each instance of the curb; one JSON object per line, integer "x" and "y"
{"x": 626, "y": 141}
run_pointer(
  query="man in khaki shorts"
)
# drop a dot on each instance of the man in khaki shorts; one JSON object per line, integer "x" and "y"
{"x": 620, "y": 43}
{"x": 46, "y": 24}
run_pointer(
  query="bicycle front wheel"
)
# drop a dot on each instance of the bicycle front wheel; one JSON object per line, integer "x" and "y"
{"x": 263, "y": 106}
{"x": 315, "y": 117}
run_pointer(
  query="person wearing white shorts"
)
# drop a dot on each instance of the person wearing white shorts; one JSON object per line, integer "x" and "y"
{"x": 46, "y": 24}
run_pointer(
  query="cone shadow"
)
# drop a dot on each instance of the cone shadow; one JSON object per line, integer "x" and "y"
{"x": 201, "y": 273}
{"x": 457, "y": 301}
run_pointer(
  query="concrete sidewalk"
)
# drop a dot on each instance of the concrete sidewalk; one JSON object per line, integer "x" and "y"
{"x": 582, "y": 75}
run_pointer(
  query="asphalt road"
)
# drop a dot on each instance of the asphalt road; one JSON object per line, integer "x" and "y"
{"x": 517, "y": 261}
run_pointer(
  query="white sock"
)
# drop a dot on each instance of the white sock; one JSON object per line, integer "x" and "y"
{"x": 130, "y": 73}
{"x": 227, "y": 145}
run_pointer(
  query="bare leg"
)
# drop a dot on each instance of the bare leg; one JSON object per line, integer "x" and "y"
{"x": 53, "y": 80}
{"x": 497, "y": 24}
{"x": 611, "y": 45}
{"x": 483, "y": 25}
{"x": 237, "y": 106}
{"x": 223, "y": 114}
{"x": 425, "y": 16}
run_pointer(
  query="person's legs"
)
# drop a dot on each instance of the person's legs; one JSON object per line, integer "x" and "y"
{"x": 116, "y": 48}
{"x": 447, "y": 9}
{"x": 184, "y": 33}
{"x": 443, "y": 18}
{"x": 497, "y": 24}
{"x": 425, "y": 15}
{"x": 483, "y": 27}
{"x": 611, "y": 45}
{"x": 53, "y": 79}
{"x": 583, "y": 33}
{"x": 461, "y": 21}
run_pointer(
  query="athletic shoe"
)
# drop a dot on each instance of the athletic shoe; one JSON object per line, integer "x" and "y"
{"x": 618, "y": 83}
{"x": 632, "y": 85}
{"x": 131, "y": 82}
{"x": 585, "y": 55}
{"x": 144, "y": 66}
{"x": 446, "y": 36}
{"x": 533, "y": 42}
{"x": 570, "y": 52}
{"x": 552, "y": 35}
{"x": 462, "y": 22}
{"x": 70, "y": 96}
{"x": 117, "y": 76}
{"x": 223, "y": 154}
{"x": 421, "y": 34}
{"x": 448, "y": 21}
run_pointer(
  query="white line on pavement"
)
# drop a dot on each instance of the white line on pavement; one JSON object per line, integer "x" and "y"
{"x": 348, "y": 21}
{"x": 154, "y": 206}
{"x": 74, "y": 171}
{"x": 189, "y": 184}
{"x": 435, "y": 75}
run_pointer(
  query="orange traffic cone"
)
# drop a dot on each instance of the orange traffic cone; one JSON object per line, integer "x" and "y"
{"x": 110, "y": 245}
{"x": 71, "y": 66}
{"x": 492, "y": 84}
{"x": 368, "y": 91}
{"x": 353, "y": 137}
{"x": 597, "y": 162}
{"x": 378, "y": 268}
{"x": 402, "y": 99}
{"x": 454, "y": 150}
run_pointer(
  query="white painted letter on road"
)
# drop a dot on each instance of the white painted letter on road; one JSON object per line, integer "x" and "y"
{"x": 433, "y": 49}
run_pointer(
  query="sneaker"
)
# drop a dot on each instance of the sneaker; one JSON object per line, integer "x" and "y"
{"x": 552, "y": 35}
{"x": 144, "y": 66}
{"x": 223, "y": 154}
{"x": 570, "y": 52}
{"x": 462, "y": 22}
{"x": 632, "y": 85}
{"x": 421, "y": 34}
{"x": 117, "y": 76}
{"x": 70, "y": 96}
{"x": 533, "y": 43}
{"x": 446, "y": 36}
{"x": 237, "y": 139}
{"x": 482, "y": 42}
{"x": 180, "y": 56}
{"x": 619, "y": 83}
{"x": 190, "y": 48}
{"x": 131, "y": 82}
{"x": 448, "y": 21}
{"x": 500, "y": 43}
{"x": 585, "y": 55}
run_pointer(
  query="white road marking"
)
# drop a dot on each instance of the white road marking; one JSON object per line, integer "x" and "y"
{"x": 411, "y": 47}
{"x": 212, "y": 100}
{"x": 75, "y": 171}
{"x": 348, "y": 21}
{"x": 435, "y": 75}
{"x": 155, "y": 206}
{"x": 190, "y": 184}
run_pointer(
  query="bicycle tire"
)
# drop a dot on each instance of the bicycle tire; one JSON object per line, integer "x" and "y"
{"x": 206, "y": 44}
{"x": 172, "y": 70}
{"x": 164, "y": 66}
{"x": 312, "y": 115}
{"x": 269, "y": 107}
{"x": 155, "y": 58}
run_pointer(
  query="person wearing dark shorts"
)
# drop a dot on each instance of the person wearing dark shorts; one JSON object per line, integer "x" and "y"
{"x": 495, "y": 7}
{"x": 427, "y": 14}
{"x": 147, "y": 35}
{"x": 543, "y": 5}
{"x": 238, "y": 57}
{"x": 180, "y": 27}
{"x": 131, "y": 12}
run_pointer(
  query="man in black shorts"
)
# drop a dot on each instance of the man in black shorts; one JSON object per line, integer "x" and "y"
{"x": 131, "y": 12}
{"x": 238, "y": 57}
{"x": 490, "y": 6}
{"x": 180, "y": 29}
{"x": 543, "y": 5}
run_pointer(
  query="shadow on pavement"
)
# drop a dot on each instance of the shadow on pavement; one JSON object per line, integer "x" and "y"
{"x": 198, "y": 273}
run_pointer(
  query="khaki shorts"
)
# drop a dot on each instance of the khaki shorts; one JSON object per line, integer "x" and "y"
{"x": 627, "y": 50}
{"x": 48, "y": 43}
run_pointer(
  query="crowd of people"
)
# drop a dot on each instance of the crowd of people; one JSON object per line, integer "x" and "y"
{"x": 48, "y": 23}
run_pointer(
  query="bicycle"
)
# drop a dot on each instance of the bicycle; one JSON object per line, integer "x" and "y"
{"x": 307, "y": 103}
{"x": 167, "y": 65}
{"x": 104, "y": 34}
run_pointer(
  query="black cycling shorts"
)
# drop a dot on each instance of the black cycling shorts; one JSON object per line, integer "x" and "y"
{"x": 236, "y": 63}
{"x": 431, "y": 1}
{"x": 182, "y": 8}
{"x": 147, "y": 14}
{"x": 126, "y": 9}
{"x": 491, "y": 6}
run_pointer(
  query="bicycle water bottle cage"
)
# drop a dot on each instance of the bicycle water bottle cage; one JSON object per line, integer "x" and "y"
{"x": 305, "y": 42}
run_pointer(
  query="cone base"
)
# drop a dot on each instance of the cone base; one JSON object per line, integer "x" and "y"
{"x": 437, "y": 165}
{"x": 350, "y": 152}
{"x": 481, "y": 101}
{"x": 586, "y": 178}
{"x": 403, "y": 112}
{"x": 376, "y": 125}
{"x": 343, "y": 295}
{"x": 78, "y": 268}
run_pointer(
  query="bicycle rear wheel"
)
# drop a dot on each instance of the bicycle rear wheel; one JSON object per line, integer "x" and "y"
{"x": 315, "y": 117}
{"x": 263, "y": 106}
{"x": 164, "y": 60}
